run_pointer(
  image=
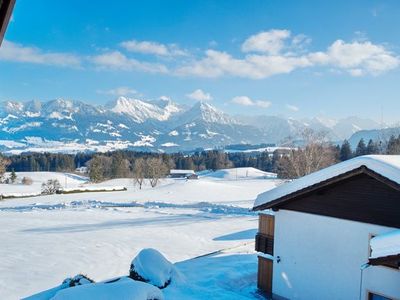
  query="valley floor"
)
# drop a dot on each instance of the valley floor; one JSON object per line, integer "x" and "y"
{"x": 48, "y": 238}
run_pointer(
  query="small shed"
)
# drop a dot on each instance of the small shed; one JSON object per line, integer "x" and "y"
{"x": 338, "y": 225}
{"x": 176, "y": 173}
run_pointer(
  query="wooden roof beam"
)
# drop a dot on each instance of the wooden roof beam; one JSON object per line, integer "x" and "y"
{"x": 6, "y": 8}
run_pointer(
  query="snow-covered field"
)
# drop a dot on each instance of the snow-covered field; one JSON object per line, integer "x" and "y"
{"x": 18, "y": 189}
{"x": 48, "y": 238}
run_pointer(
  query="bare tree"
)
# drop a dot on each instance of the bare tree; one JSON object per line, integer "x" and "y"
{"x": 317, "y": 153}
{"x": 155, "y": 169}
{"x": 139, "y": 172}
{"x": 4, "y": 162}
{"x": 27, "y": 180}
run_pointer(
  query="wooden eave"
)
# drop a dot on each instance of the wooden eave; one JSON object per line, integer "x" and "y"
{"x": 6, "y": 8}
{"x": 385, "y": 260}
{"x": 279, "y": 202}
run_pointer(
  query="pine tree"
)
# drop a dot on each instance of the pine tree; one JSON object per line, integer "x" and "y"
{"x": 345, "y": 151}
{"x": 361, "y": 148}
{"x": 13, "y": 176}
{"x": 372, "y": 147}
{"x": 393, "y": 146}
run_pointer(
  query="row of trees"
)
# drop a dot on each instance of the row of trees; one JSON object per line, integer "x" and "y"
{"x": 319, "y": 153}
{"x": 103, "y": 167}
{"x": 392, "y": 146}
{"x": 316, "y": 153}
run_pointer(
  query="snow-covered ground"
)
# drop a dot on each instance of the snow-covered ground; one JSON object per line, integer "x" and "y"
{"x": 48, "y": 238}
{"x": 18, "y": 189}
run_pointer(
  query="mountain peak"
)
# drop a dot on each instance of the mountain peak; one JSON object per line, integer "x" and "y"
{"x": 208, "y": 113}
{"x": 140, "y": 110}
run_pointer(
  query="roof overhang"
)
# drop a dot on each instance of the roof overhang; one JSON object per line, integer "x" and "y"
{"x": 384, "y": 261}
{"x": 275, "y": 204}
{"x": 6, "y": 8}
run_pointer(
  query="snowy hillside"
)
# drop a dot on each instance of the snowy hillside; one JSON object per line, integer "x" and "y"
{"x": 238, "y": 174}
{"x": 99, "y": 233}
{"x": 376, "y": 135}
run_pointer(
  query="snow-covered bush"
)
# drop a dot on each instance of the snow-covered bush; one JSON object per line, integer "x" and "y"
{"x": 79, "y": 279}
{"x": 27, "y": 180}
{"x": 50, "y": 187}
{"x": 152, "y": 267}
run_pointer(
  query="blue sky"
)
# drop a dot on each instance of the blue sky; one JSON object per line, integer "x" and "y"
{"x": 292, "y": 58}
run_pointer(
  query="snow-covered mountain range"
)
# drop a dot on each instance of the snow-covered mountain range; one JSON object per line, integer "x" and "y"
{"x": 160, "y": 125}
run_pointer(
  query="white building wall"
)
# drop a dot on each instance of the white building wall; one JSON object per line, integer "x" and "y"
{"x": 321, "y": 259}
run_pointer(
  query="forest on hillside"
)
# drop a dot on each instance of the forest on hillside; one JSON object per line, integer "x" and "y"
{"x": 316, "y": 154}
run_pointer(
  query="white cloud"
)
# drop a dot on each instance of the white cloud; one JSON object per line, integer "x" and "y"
{"x": 149, "y": 47}
{"x": 292, "y": 107}
{"x": 358, "y": 58}
{"x": 117, "y": 60}
{"x": 10, "y": 51}
{"x": 199, "y": 95}
{"x": 271, "y": 41}
{"x": 119, "y": 91}
{"x": 247, "y": 101}
{"x": 265, "y": 54}
{"x": 216, "y": 64}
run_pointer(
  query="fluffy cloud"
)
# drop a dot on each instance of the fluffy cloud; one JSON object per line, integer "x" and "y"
{"x": 292, "y": 107}
{"x": 217, "y": 63}
{"x": 149, "y": 47}
{"x": 200, "y": 95}
{"x": 265, "y": 54}
{"x": 247, "y": 101}
{"x": 119, "y": 91}
{"x": 271, "y": 41}
{"x": 10, "y": 51}
{"x": 117, "y": 60}
{"x": 357, "y": 58}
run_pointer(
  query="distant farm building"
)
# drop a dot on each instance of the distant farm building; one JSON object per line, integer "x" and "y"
{"x": 188, "y": 174}
{"x": 333, "y": 234}
{"x": 81, "y": 170}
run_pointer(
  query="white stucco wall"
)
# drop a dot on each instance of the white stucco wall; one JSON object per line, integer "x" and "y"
{"x": 321, "y": 259}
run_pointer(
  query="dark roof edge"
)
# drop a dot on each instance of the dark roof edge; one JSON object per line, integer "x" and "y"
{"x": 6, "y": 9}
{"x": 357, "y": 171}
{"x": 378, "y": 261}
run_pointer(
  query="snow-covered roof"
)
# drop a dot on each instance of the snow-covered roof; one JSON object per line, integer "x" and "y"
{"x": 386, "y": 165}
{"x": 181, "y": 171}
{"x": 385, "y": 244}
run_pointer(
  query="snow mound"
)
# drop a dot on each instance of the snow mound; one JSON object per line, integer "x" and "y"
{"x": 121, "y": 288}
{"x": 240, "y": 173}
{"x": 152, "y": 267}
